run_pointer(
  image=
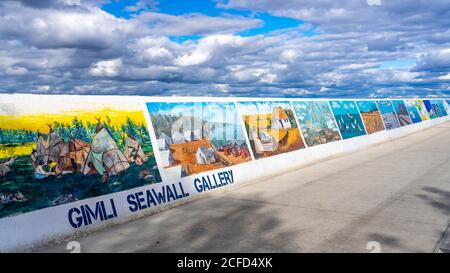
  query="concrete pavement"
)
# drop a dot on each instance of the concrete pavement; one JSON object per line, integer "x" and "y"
{"x": 396, "y": 194}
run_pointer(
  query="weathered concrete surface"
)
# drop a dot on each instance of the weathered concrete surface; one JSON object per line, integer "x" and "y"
{"x": 396, "y": 193}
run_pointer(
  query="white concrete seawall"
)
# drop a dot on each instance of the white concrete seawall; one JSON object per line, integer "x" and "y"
{"x": 394, "y": 195}
{"x": 21, "y": 232}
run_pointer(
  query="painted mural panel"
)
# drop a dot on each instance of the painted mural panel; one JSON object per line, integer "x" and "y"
{"x": 402, "y": 112}
{"x": 388, "y": 114}
{"x": 271, "y": 127}
{"x": 430, "y": 110}
{"x": 55, "y": 151}
{"x": 422, "y": 109}
{"x": 197, "y": 137}
{"x": 316, "y": 122}
{"x": 439, "y": 108}
{"x": 348, "y": 118}
{"x": 371, "y": 116}
{"x": 413, "y": 111}
{"x": 447, "y": 105}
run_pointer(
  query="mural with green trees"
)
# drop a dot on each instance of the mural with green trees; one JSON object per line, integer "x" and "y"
{"x": 49, "y": 158}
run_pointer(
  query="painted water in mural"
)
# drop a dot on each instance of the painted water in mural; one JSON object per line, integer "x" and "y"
{"x": 388, "y": 114}
{"x": 54, "y": 152}
{"x": 413, "y": 111}
{"x": 402, "y": 112}
{"x": 197, "y": 137}
{"x": 348, "y": 118}
{"x": 371, "y": 116}
{"x": 271, "y": 127}
{"x": 316, "y": 122}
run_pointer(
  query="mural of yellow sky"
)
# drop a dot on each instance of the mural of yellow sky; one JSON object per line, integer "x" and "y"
{"x": 35, "y": 111}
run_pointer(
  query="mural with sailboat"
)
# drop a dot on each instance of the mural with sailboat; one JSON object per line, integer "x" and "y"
{"x": 348, "y": 118}
{"x": 56, "y": 151}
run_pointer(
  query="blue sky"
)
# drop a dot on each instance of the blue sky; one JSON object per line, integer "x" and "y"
{"x": 267, "y": 48}
{"x": 398, "y": 64}
{"x": 209, "y": 8}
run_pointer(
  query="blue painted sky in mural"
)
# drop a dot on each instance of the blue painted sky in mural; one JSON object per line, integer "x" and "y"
{"x": 397, "y": 105}
{"x": 261, "y": 107}
{"x": 344, "y": 107}
{"x": 385, "y": 107}
{"x": 223, "y": 112}
{"x": 367, "y": 106}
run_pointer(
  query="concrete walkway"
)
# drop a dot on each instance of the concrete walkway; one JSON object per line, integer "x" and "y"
{"x": 396, "y": 194}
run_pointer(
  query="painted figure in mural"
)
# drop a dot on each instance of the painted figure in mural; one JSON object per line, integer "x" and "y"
{"x": 102, "y": 156}
{"x": 40, "y": 173}
{"x": 63, "y": 152}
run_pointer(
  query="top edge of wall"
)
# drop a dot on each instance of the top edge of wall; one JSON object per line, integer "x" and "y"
{"x": 209, "y": 98}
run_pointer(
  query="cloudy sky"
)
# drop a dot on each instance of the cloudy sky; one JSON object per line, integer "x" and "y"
{"x": 297, "y": 48}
